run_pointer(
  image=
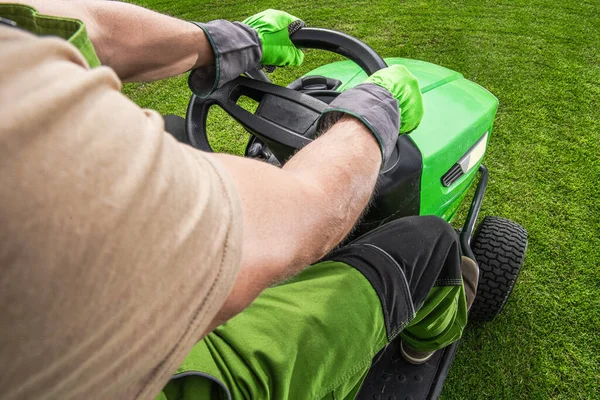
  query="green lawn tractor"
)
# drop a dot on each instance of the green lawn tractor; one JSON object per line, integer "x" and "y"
{"x": 429, "y": 173}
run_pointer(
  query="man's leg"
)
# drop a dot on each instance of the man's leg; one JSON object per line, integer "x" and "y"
{"x": 428, "y": 252}
{"x": 315, "y": 335}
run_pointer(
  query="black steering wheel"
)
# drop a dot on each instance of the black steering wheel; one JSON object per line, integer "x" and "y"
{"x": 286, "y": 118}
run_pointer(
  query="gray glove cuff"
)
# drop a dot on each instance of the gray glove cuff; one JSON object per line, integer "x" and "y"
{"x": 237, "y": 49}
{"x": 375, "y": 107}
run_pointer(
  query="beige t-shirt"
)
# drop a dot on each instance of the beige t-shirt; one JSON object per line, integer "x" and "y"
{"x": 118, "y": 244}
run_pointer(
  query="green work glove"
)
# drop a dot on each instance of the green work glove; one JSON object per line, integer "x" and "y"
{"x": 405, "y": 88}
{"x": 389, "y": 103}
{"x": 274, "y": 29}
{"x": 239, "y": 47}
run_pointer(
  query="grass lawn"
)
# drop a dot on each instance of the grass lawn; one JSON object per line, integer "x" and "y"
{"x": 542, "y": 60}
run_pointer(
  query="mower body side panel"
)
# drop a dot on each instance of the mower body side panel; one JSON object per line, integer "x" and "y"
{"x": 458, "y": 113}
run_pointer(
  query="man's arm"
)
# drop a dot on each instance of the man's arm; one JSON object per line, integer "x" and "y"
{"x": 139, "y": 44}
{"x": 293, "y": 216}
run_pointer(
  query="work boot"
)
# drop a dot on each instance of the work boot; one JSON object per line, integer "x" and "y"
{"x": 470, "y": 275}
{"x": 413, "y": 356}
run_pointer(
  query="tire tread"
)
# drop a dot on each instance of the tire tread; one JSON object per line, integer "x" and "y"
{"x": 499, "y": 246}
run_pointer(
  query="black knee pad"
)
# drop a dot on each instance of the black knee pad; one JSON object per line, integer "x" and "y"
{"x": 403, "y": 260}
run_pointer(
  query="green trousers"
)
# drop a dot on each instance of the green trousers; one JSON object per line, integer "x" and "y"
{"x": 314, "y": 337}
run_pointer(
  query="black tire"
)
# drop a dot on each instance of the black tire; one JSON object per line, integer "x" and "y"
{"x": 499, "y": 246}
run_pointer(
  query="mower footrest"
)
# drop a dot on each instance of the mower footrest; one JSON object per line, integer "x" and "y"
{"x": 393, "y": 378}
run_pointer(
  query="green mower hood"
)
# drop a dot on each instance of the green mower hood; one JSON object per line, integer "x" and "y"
{"x": 452, "y": 136}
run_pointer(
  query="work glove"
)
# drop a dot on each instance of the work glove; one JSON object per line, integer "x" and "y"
{"x": 274, "y": 29}
{"x": 389, "y": 103}
{"x": 239, "y": 47}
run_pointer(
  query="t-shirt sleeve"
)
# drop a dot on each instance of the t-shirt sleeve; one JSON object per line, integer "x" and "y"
{"x": 118, "y": 244}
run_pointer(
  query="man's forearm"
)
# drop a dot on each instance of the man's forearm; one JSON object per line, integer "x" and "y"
{"x": 293, "y": 216}
{"x": 139, "y": 44}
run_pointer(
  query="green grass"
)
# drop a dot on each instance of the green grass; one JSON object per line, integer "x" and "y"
{"x": 542, "y": 60}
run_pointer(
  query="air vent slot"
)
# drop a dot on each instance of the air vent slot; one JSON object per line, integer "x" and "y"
{"x": 466, "y": 162}
{"x": 452, "y": 175}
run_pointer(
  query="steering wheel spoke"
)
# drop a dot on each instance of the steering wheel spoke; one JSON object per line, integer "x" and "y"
{"x": 285, "y": 119}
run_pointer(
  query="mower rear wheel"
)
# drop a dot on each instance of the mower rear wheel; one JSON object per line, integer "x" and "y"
{"x": 499, "y": 246}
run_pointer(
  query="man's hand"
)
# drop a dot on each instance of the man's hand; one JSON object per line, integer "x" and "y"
{"x": 274, "y": 29}
{"x": 378, "y": 103}
{"x": 239, "y": 47}
{"x": 405, "y": 88}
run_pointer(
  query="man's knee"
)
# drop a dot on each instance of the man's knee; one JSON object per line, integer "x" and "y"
{"x": 403, "y": 260}
{"x": 421, "y": 246}
{"x": 429, "y": 222}
{"x": 430, "y": 226}
{"x": 415, "y": 231}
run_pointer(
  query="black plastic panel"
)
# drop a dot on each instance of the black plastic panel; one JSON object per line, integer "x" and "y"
{"x": 315, "y": 82}
{"x": 287, "y": 113}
